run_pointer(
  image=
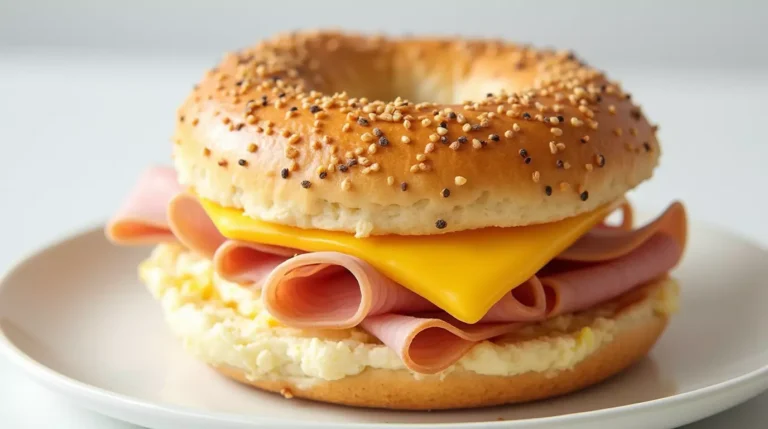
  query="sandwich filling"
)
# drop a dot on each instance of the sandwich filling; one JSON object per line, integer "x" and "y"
{"x": 430, "y": 299}
{"x": 225, "y": 324}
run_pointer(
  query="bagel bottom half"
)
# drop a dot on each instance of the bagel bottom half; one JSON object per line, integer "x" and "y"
{"x": 223, "y": 325}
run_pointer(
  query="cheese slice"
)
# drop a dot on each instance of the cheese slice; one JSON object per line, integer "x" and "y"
{"x": 464, "y": 273}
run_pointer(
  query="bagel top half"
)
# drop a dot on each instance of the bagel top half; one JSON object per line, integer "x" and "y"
{"x": 409, "y": 136}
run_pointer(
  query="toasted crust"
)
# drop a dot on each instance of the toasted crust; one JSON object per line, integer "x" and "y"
{"x": 379, "y": 388}
{"x": 234, "y": 146}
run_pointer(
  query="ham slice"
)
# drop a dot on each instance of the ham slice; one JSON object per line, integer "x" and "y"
{"x": 252, "y": 263}
{"x": 334, "y": 290}
{"x": 429, "y": 345}
{"x": 192, "y": 227}
{"x": 142, "y": 217}
{"x": 304, "y": 292}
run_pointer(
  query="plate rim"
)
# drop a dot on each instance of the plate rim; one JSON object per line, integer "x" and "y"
{"x": 90, "y": 394}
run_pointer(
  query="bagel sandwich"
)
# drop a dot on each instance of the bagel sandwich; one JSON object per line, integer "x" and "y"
{"x": 407, "y": 223}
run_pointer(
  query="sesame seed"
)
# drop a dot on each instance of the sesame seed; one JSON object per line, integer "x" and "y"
{"x": 647, "y": 146}
{"x": 455, "y": 145}
{"x": 434, "y": 137}
{"x": 429, "y": 148}
{"x": 372, "y": 149}
{"x": 552, "y": 148}
{"x": 377, "y": 132}
{"x": 414, "y": 168}
{"x": 366, "y": 137}
{"x": 441, "y": 224}
{"x": 407, "y": 124}
{"x": 536, "y": 176}
{"x": 442, "y": 131}
{"x": 445, "y": 192}
{"x": 404, "y": 186}
{"x": 459, "y": 180}
{"x": 576, "y": 122}
{"x": 306, "y": 184}
{"x": 556, "y": 131}
{"x": 566, "y": 165}
{"x": 494, "y": 137}
{"x": 516, "y": 127}
{"x": 588, "y": 167}
{"x": 523, "y": 153}
{"x": 294, "y": 139}
{"x": 383, "y": 141}
{"x": 554, "y": 120}
{"x": 462, "y": 139}
{"x": 346, "y": 184}
{"x": 362, "y": 121}
{"x": 600, "y": 160}
{"x": 322, "y": 175}
{"x": 343, "y": 168}
{"x": 559, "y": 163}
{"x": 346, "y": 127}
{"x": 405, "y": 139}
{"x": 476, "y": 144}
{"x": 548, "y": 190}
{"x": 584, "y": 139}
{"x": 423, "y": 167}
{"x": 421, "y": 157}
{"x": 527, "y": 160}
{"x": 584, "y": 195}
{"x": 242, "y": 162}
{"x": 314, "y": 109}
{"x": 390, "y": 180}
{"x": 466, "y": 128}
{"x": 560, "y": 146}
{"x": 508, "y": 134}
{"x": 527, "y": 116}
{"x": 426, "y": 122}
{"x": 284, "y": 173}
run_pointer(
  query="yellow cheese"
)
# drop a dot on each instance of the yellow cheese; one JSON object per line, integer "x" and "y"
{"x": 464, "y": 273}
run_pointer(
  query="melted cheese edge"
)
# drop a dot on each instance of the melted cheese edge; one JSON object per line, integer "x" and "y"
{"x": 464, "y": 273}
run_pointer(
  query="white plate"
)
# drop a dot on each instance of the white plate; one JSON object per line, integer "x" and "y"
{"x": 75, "y": 317}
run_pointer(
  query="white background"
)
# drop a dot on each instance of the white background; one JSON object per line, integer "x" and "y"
{"x": 88, "y": 91}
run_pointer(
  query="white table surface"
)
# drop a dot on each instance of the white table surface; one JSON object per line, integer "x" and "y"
{"x": 76, "y": 129}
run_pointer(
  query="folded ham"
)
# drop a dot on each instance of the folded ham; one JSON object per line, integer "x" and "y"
{"x": 142, "y": 219}
{"x": 333, "y": 290}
